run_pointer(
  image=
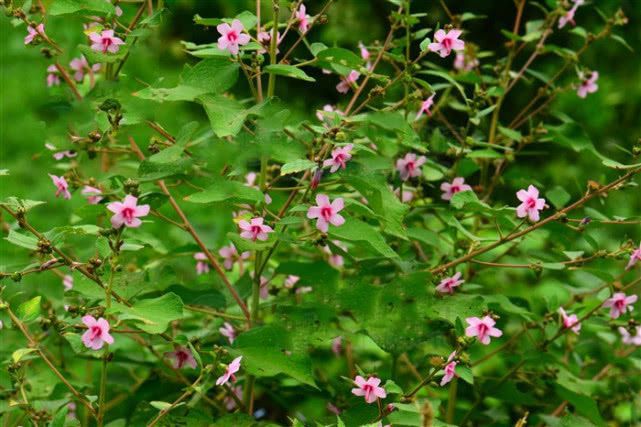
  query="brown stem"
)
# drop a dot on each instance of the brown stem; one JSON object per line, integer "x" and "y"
{"x": 69, "y": 81}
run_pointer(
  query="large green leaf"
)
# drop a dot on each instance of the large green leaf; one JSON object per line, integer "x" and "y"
{"x": 288, "y": 71}
{"x": 152, "y": 315}
{"x": 63, "y": 7}
{"x": 226, "y": 115}
{"x": 222, "y": 190}
{"x": 368, "y": 237}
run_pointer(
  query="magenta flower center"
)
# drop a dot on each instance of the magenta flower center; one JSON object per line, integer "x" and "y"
{"x": 340, "y": 158}
{"x": 620, "y": 304}
{"x": 482, "y": 330}
{"x": 455, "y": 189}
{"x": 128, "y": 214}
{"x": 447, "y": 43}
{"x": 531, "y": 203}
{"x": 95, "y": 332}
{"x": 106, "y": 42}
{"x": 256, "y": 230}
{"x": 326, "y": 212}
{"x": 182, "y": 357}
{"x": 232, "y": 36}
{"x": 368, "y": 389}
{"x": 409, "y": 166}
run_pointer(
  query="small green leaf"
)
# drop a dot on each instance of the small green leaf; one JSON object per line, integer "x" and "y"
{"x": 296, "y": 166}
{"x": 288, "y": 71}
{"x": 224, "y": 190}
{"x": 29, "y": 310}
{"x": 63, "y": 7}
{"x": 22, "y": 240}
{"x": 17, "y": 355}
{"x": 153, "y": 315}
{"x": 558, "y": 197}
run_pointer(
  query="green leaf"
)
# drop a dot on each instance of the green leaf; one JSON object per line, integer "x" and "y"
{"x": 558, "y": 197}
{"x": 153, "y": 315}
{"x": 222, "y": 190}
{"x": 63, "y": 7}
{"x": 29, "y": 310}
{"x": 339, "y": 59}
{"x": 15, "y": 203}
{"x": 168, "y": 162}
{"x": 212, "y": 75}
{"x": 226, "y": 115}
{"x": 465, "y": 198}
{"x": 17, "y": 355}
{"x": 465, "y": 373}
{"x": 178, "y": 93}
{"x": 22, "y": 240}
{"x": 296, "y": 166}
{"x": 355, "y": 230}
{"x": 288, "y": 71}
{"x": 94, "y": 56}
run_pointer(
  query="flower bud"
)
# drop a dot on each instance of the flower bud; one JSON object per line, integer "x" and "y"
{"x": 318, "y": 174}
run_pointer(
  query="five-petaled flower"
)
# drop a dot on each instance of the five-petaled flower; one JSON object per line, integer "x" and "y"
{"x": 570, "y": 322}
{"x": 450, "y": 189}
{"x": 93, "y": 194}
{"x": 127, "y": 212}
{"x": 425, "y": 107}
{"x": 105, "y": 41}
{"x": 80, "y": 66}
{"x": 482, "y": 329}
{"x": 97, "y": 333}
{"x": 34, "y": 32}
{"x": 530, "y": 203}
{"x": 254, "y": 229}
{"x": 230, "y": 256}
{"x": 230, "y": 370}
{"x": 588, "y": 84}
{"x": 369, "y": 389}
{"x": 448, "y": 284}
{"x": 227, "y": 330}
{"x": 62, "y": 188}
{"x": 634, "y": 258}
{"x": 348, "y": 81}
{"x": 303, "y": 19}
{"x": 232, "y": 36}
{"x": 181, "y": 357}
{"x": 202, "y": 263}
{"x": 340, "y": 156}
{"x": 53, "y": 76}
{"x": 449, "y": 369}
{"x": 326, "y": 213}
{"x": 410, "y": 166}
{"x": 630, "y": 339}
{"x": 265, "y": 39}
{"x": 619, "y": 304}
{"x": 446, "y": 42}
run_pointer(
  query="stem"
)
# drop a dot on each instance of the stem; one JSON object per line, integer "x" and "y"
{"x": 68, "y": 80}
{"x": 451, "y": 401}
{"x": 271, "y": 85}
{"x": 259, "y": 79}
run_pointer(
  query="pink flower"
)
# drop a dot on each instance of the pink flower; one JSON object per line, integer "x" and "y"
{"x": 634, "y": 258}
{"x": 464, "y": 63}
{"x": 365, "y": 55}
{"x": 570, "y": 322}
{"x": 369, "y": 389}
{"x": 340, "y": 156}
{"x": 59, "y": 155}
{"x": 105, "y": 42}
{"x": 227, "y": 330}
{"x": 326, "y": 212}
{"x": 230, "y": 255}
{"x": 337, "y": 345}
{"x": 232, "y": 36}
{"x": 425, "y": 107}
{"x": 303, "y": 18}
{"x": 627, "y": 338}
{"x": 80, "y": 66}
{"x": 202, "y": 264}
{"x": 316, "y": 179}
{"x": 255, "y": 229}
{"x": 127, "y": 212}
{"x": 34, "y": 32}
{"x": 347, "y": 82}
{"x": 446, "y": 42}
{"x": 53, "y": 78}
{"x": 531, "y": 204}
{"x": 327, "y": 108}
{"x": 67, "y": 282}
{"x": 619, "y": 304}
{"x": 92, "y": 194}
{"x": 290, "y": 281}
{"x": 410, "y": 166}
{"x": 407, "y": 197}
{"x": 265, "y": 39}
{"x": 588, "y": 85}
{"x": 569, "y": 15}
{"x": 457, "y": 185}
{"x": 180, "y": 357}
{"x": 97, "y": 333}
{"x": 482, "y": 329}
{"x": 448, "y": 284}
{"x": 450, "y": 369}
{"x": 335, "y": 260}
{"x": 61, "y": 186}
{"x": 231, "y": 369}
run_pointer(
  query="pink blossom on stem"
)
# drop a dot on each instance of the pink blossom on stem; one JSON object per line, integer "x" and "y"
{"x": 303, "y": 19}
{"x": 265, "y": 39}
{"x": 347, "y": 82}
{"x": 230, "y": 370}
{"x": 232, "y": 36}
{"x": 340, "y": 156}
{"x": 53, "y": 77}
{"x": 450, "y": 189}
{"x": 181, "y": 357}
{"x": 619, "y": 304}
{"x": 335, "y": 260}
{"x": 202, "y": 264}
{"x": 369, "y": 389}
{"x": 482, "y": 329}
{"x": 230, "y": 256}
{"x": 227, "y": 330}
{"x": 407, "y": 197}
{"x": 290, "y": 281}
{"x": 81, "y": 66}
{"x": 446, "y": 42}
{"x": 365, "y": 55}
{"x": 570, "y": 322}
{"x": 588, "y": 84}
{"x": 322, "y": 115}
{"x": 62, "y": 188}
{"x": 93, "y": 194}
{"x": 34, "y": 32}
{"x": 316, "y": 179}
{"x": 569, "y": 15}
{"x": 254, "y": 229}
{"x": 450, "y": 369}
{"x": 448, "y": 284}
{"x": 410, "y": 166}
{"x": 97, "y": 333}
{"x": 634, "y": 258}
{"x": 425, "y": 107}
{"x": 530, "y": 203}
{"x": 464, "y": 63}
{"x": 326, "y": 213}
{"x": 105, "y": 41}
{"x": 127, "y": 212}
{"x": 630, "y": 339}
{"x": 67, "y": 282}
{"x": 59, "y": 155}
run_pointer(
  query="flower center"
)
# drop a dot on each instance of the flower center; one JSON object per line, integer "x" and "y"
{"x": 95, "y": 332}
{"x": 128, "y": 214}
{"x": 409, "y": 166}
{"x": 368, "y": 389}
{"x": 106, "y": 42}
{"x": 326, "y": 212}
{"x": 531, "y": 203}
{"x": 256, "y": 229}
{"x": 455, "y": 188}
{"x": 182, "y": 357}
{"x": 447, "y": 43}
{"x": 482, "y": 330}
{"x": 232, "y": 36}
